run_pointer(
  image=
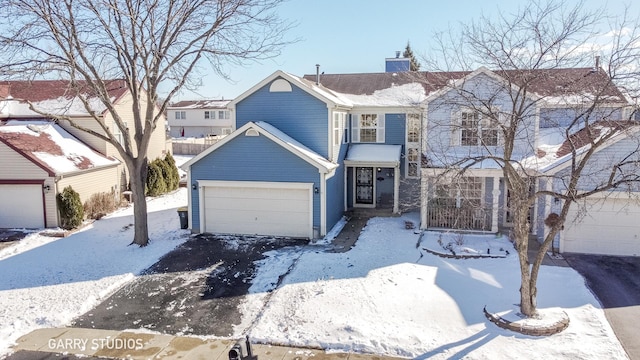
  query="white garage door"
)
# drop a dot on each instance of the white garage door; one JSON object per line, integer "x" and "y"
{"x": 263, "y": 208}
{"x": 609, "y": 226}
{"x": 21, "y": 206}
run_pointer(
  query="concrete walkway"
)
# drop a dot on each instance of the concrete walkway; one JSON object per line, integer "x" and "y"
{"x": 142, "y": 346}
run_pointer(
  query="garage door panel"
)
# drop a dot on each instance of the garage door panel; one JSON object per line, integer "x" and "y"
{"x": 604, "y": 226}
{"x": 247, "y": 217}
{"x": 257, "y": 204}
{"x": 21, "y": 206}
{"x": 255, "y": 193}
{"x": 282, "y": 209}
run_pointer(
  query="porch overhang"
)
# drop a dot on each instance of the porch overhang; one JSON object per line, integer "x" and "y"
{"x": 378, "y": 156}
{"x": 374, "y": 155}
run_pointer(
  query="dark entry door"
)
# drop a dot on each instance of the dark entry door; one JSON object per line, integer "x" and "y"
{"x": 364, "y": 185}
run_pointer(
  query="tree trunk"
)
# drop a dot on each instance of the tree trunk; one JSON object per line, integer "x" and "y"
{"x": 137, "y": 179}
{"x": 528, "y": 290}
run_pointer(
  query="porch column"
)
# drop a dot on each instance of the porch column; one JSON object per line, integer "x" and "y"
{"x": 495, "y": 205}
{"x": 396, "y": 189}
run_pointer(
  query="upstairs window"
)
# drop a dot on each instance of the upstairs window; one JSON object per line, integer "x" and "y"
{"x": 181, "y": 115}
{"x": 368, "y": 128}
{"x": 118, "y": 134}
{"x": 338, "y": 127}
{"x": 210, "y": 115}
{"x": 222, "y": 114}
{"x": 474, "y": 130}
{"x": 469, "y": 128}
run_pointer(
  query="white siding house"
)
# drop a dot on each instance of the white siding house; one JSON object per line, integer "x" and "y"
{"x": 200, "y": 119}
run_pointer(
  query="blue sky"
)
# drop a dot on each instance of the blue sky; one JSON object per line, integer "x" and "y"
{"x": 351, "y": 36}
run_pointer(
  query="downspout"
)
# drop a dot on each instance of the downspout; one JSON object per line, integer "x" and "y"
{"x": 189, "y": 201}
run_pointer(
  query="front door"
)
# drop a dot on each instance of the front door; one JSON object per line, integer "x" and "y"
{"x": 364, "y": 185}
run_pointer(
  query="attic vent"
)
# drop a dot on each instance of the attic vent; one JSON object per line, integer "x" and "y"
{"x": 251, "y": 132}
{"x": 280, "y": 85}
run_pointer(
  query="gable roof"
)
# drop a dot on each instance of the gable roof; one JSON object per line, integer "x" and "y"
{"x": 277, "y": 136}
{"x": 54, "y": 96}
{"x": 542, "y": 82}
{"x": 199, "y": 104}
{"x": 318, "y": 91}
{"x": 51, "y": 147}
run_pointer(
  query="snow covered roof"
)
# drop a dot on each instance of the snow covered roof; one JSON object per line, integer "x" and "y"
{"x": 373, "y": 154}
{"x": 560, "y": 86}
{"x": 199, "y": 104}
{"x": 554, "y": 148}
{"x": 53, "y": 96}
{"x": 51, "y": 147}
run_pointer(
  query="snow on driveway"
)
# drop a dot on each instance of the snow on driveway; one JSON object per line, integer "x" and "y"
{"x": 386, "y": 296}
{"x": 46, "y": 281}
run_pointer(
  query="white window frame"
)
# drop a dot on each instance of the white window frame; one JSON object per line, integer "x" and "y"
{"x": 226, "y": 131}
{"x": 379, "y": 127}
{"x": 338, "y": 127}
{"x": 223, "y": 114}
{"x": 209, "y": 115}
{"x": 479, "y": 131}
{"x": 117, "y": 133}
{"x": 181, "y": 115}
{"x": 413, "y": 151}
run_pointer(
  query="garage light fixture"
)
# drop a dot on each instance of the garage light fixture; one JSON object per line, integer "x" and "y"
{"x": 194, "y": 186}
{"x": 316, "y": 190}
{"x": 46, "y": 188}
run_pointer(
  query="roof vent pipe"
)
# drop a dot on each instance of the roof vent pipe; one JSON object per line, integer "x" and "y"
{"x": 597, "y": 67}
{"x": 397, "y": 54}
{"x": 317, "y": 74}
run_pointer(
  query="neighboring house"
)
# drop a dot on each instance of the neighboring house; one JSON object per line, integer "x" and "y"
{"x": 320, "y": 145}
{"x": 199, "y": 118}
{"x": 53, "y": 96}
{"x": 479, "y": 202}
{"x": 606, "y": 222}
{"x": 39, "y": 159}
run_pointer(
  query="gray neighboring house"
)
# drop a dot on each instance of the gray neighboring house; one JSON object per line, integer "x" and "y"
{"x": 199, "y": 118}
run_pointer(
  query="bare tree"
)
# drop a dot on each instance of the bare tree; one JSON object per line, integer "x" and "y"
{"x": 152, "y": 45}
{"x": 540, "y": 68}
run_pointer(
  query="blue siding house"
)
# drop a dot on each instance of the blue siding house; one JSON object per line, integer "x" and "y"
{"x": 301, "y": 156}
{"x": 307, "y": 149}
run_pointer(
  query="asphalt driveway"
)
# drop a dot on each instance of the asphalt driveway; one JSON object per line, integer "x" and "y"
{"x": 616, "y": 282}
{"x": 193, "y": 290}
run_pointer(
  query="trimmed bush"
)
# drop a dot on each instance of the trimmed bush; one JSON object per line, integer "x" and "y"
{"x": 156, "y": 184}
{"x": 166, "y": 173}
{"x": 70, "y": 208}
{"x": 174, "y": 174}
{"x": 100, "y": 204}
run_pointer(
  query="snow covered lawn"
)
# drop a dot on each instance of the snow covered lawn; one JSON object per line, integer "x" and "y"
{"x": 387, "y": 296}
{"x": 46, "y": 281}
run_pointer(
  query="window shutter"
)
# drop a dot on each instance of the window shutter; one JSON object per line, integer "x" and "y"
{"x": 454, "y": 136}
{"x": 355, "y": 129}
{"x": 380, "y": 130}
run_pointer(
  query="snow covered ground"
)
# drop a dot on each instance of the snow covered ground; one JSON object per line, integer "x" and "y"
{"x": 386, "y": 295}
{"x": 46, "y": 281}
